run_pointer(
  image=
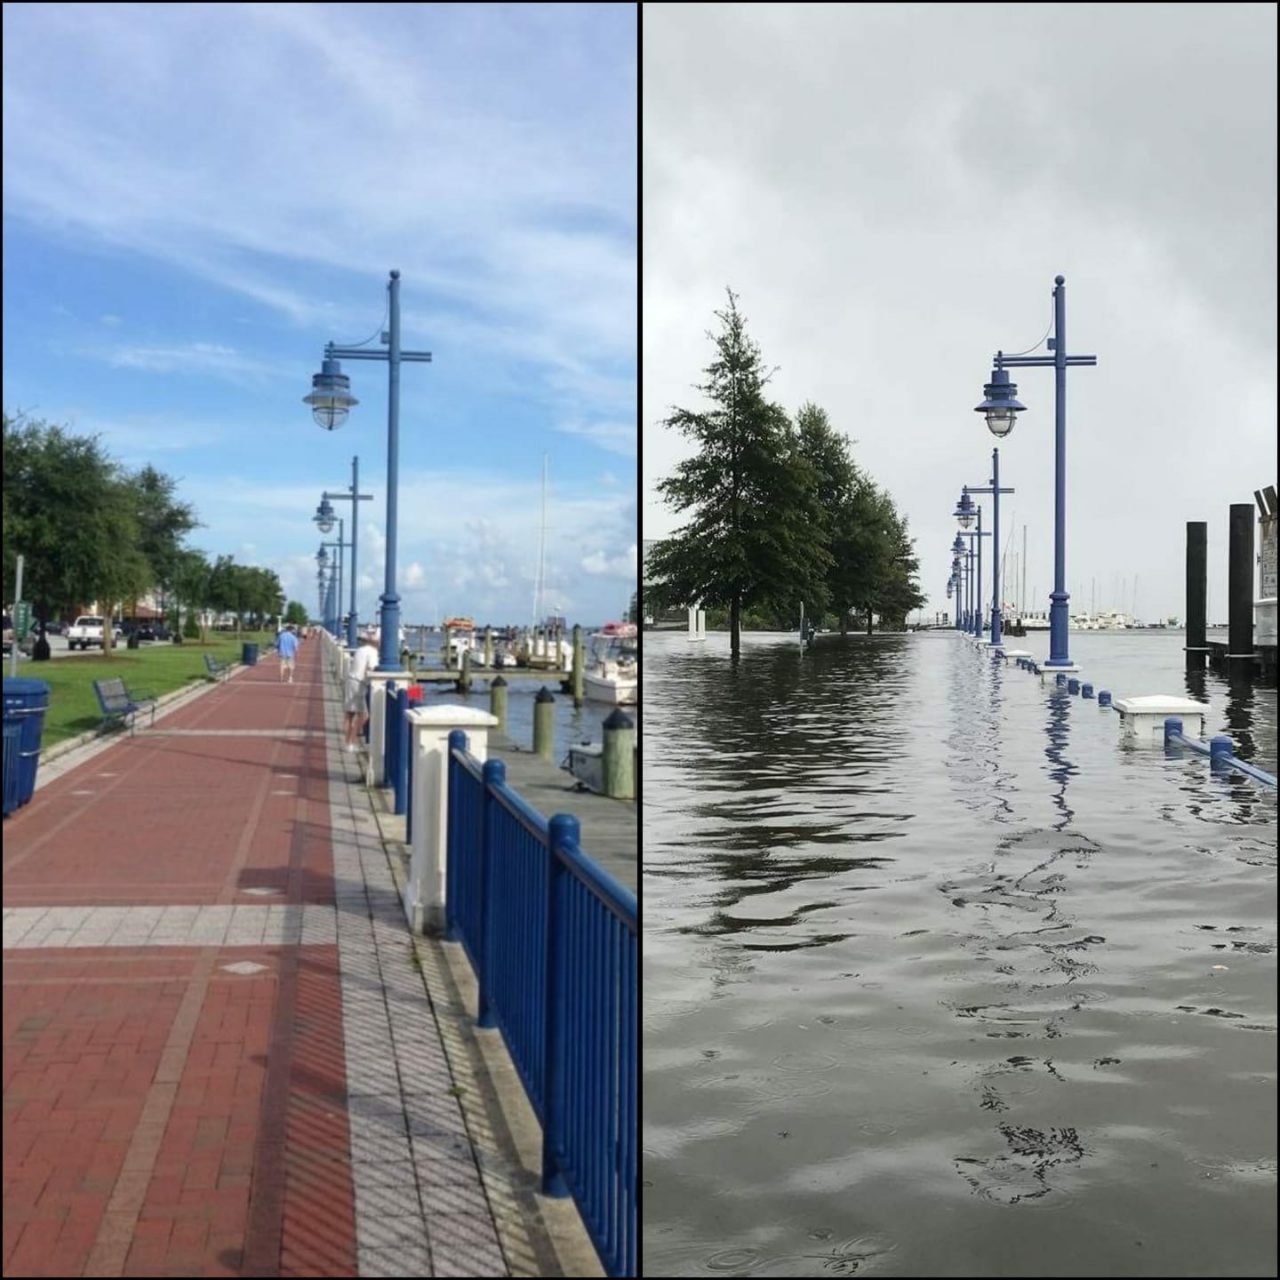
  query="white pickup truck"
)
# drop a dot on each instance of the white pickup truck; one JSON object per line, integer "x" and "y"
{"x": 84, "y": 631}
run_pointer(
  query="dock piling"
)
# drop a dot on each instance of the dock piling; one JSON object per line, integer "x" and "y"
{"x": 618, "y": 756}
{"x": 544, "y": 712}
{"x": 488, "y": 648}
{"x": 1197, "y": 593}
{"x": 1240, "y": 656}
{"x": 579, "y": 665}
{"x": 498, "y": 702}
{"x": 464, "y": 679}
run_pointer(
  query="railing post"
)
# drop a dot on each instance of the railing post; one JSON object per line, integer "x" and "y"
{"x": 1172, "y": 725}
{"x": 457, "y": 741}
{"x": 495, "y": 775}
{"x": 561, "y": 827}
{"x": 1104, "y": 698}
{"x": 1221, "y": 748}
{"x": 401, "y": 779}
{"x": 389, "y": 736}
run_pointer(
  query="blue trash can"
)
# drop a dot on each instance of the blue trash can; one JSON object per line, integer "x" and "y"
{"x": 249, "y": 654}
{"x": 25, "y": 702}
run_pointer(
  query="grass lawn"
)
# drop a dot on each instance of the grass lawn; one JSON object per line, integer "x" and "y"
{"x": 156, "y": 669}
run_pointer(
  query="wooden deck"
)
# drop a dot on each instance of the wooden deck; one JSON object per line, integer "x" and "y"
{"x": 610, "y": 834}
{"x": 441, "y": 675}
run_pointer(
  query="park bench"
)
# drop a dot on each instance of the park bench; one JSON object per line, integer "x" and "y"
{"x": 216, "y": 669}
{"x": 119, "y": 703}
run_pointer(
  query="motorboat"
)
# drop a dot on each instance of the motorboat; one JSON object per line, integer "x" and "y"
{"x": 613, "y": 665}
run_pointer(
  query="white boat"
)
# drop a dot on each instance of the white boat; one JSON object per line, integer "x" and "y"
{"x": 613, "y": 665}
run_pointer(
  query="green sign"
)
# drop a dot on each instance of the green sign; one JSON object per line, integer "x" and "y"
{"x": 22, "y": 618}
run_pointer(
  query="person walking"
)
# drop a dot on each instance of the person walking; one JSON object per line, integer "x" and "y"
{"x": 364, "y": 660}
{"x": 288, "y": 646}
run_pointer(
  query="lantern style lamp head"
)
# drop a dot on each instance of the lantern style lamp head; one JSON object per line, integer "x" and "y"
{"x": 950, "y": 588}
{"x": 965, "y": 509}
{"x": 324, "y": 516}
{"x": 958, "y": 545}
{"x": 1001, "y": 406}
{"x": 330, "y": 397}
{"x": 322, "y": 558}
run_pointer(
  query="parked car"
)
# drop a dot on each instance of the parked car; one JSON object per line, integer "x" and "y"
{"x": 8, "y": 633}
{"x": 162, "y": 632}
{"x": 86, "y": 630}
{"x": 145, "y": 631}
{"x": 55, "y": 628}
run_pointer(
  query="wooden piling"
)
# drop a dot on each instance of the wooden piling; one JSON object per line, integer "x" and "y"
{"x": 464, "y": 680}
{"x": 579, "y": 666}
{"x": 498, "y": 702}
{"x": 544, "y": 712}
{"x": 1240, "y": 660}
{"x": 1197, "y": 593}
{"x": 488, "y": 648}
{"x": 618, "y": 756}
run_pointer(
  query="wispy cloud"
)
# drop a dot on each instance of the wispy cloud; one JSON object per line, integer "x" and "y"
{"x": 207, "y": 358}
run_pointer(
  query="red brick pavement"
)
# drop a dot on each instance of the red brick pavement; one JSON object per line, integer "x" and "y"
{"x": 162, "y": 1116}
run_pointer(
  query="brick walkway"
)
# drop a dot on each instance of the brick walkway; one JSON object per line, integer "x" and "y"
{"x": 219, "y": 1058}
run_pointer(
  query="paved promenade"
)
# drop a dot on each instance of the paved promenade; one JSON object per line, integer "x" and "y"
{"x": 223, "y": 1052}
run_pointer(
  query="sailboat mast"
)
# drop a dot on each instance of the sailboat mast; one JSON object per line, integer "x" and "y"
{"x": 1023, "y": 607}
{"x": 539, "y": 581}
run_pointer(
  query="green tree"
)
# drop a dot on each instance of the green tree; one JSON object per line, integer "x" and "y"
{"x": 752, "y": 535}
{"x": 163, "y": 522}
{"x": 296, "y": 613}
{"x": 68, "y": 509}
{"x": 191, "y": 575}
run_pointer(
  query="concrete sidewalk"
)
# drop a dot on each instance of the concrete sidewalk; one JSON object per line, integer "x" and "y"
{"x": 224, "y": 1053}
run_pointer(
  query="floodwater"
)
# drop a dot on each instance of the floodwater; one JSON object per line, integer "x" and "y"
{"x": 940, "y": 980}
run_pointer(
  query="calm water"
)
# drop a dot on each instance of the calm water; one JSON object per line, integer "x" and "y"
{"x": 939, "y": 980}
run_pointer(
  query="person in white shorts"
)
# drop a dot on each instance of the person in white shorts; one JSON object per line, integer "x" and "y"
{"x": 364, "y": 660}
{"x": 287, "y": 644}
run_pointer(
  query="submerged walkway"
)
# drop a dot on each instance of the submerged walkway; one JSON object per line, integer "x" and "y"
{"x": 224, "y": 1054}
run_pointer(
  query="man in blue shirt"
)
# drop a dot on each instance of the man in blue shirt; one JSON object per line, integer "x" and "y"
{"x": 288, "y": 646}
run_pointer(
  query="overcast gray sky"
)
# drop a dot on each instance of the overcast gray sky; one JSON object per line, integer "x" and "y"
{"x": 891, "y": 190}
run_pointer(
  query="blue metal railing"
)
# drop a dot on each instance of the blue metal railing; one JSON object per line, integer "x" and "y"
{"x": 1219, "y": 749}
{"x": 554, "y": 943}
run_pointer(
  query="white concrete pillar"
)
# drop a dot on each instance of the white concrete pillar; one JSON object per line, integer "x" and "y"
{"x": 1142, "y": 719}
{"x": 430, "y": 729}
{"x": 377, "y": 681}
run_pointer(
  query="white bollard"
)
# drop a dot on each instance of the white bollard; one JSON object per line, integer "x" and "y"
{"x": 430, "y": 729}
{"x": 1142, "y": 719}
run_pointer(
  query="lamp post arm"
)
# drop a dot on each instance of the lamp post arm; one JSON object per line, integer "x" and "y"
{"x": 362, "y": 353}
{"x": 1015, "y": 362}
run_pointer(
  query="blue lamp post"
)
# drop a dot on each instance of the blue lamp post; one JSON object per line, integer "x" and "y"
{"x": 330, "y": 402}
{"x": 960, "y": 571}
{"x": 324, "y": 518}
{"x": 335, "y": 565}
{"x": 964, "y": 513}
{"x": 975, "y": 537}
{"x": 1000, "y": 409}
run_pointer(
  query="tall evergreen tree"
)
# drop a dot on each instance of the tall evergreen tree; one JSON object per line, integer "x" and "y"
{"x": 753, "y": 534}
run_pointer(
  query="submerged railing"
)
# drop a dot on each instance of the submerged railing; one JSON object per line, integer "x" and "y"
{"x": 1219, "y": 750}
{"x": 553, "y": 940}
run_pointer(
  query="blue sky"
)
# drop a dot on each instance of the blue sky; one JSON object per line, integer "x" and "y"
{"x": 198, "y": 198}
